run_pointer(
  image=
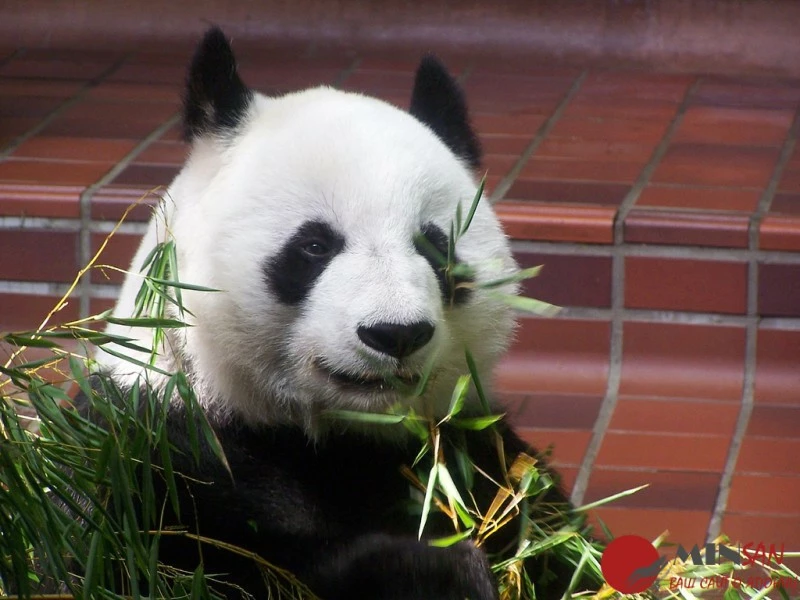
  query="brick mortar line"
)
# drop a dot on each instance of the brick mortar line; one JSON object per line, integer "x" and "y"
{"x": 61, "y": 109}
{"x": 540, "y": 135}
{"x": 85, "y": 205}
{"x": 751, "y": 333}
{"x": 666, "y": 317}
{"x": 647, "y": 251}
{"x": 652, "y": 164}
{"x": 616, "y": 348}
{"x": 53, "y": 288}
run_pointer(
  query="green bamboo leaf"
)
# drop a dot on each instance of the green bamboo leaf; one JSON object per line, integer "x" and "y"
{"x": 426, "y": 503}
{"x": 458, "y": 397}
{"x": 473, "y": 371}
{"x": 601, "y": 502}
{"x": 476, "y": 423}
{"x": 363, "y": 417}
{"x": 517, "y": 277}
{"x": 29, "y": 341}
{"x": 530, "y": 305}
{"x": 475, "y": 201}
{"x": 147, "y": 322}
{"x": 464, "y": 516}
{"x": 182, "y": 285}
{"x": 451, "y": 540}
{"x": 448, "y": 485}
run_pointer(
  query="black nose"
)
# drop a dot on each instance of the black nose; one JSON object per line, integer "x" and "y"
{"x": 395, "y": 339}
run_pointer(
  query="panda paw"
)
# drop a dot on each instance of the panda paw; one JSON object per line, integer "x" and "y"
{"x": 385, "y": 568}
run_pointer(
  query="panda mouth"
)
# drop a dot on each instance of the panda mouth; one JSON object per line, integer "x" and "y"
{"x": 372, "y": 383}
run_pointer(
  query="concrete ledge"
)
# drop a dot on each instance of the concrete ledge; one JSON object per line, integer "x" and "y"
{"x": 713, "y": 36}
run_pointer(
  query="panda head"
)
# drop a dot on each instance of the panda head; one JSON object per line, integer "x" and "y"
{"x": 321, "y": 216}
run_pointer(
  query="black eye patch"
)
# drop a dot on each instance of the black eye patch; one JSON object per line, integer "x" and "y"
{"x": 292, "y": 272}
{"x": 432, "y": 245}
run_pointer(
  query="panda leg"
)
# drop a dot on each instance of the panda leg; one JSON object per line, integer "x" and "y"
{"x": 392, "y": 568}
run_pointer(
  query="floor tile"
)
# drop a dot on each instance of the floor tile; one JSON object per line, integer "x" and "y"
{"x": 567, "y": 447}
{"x": 75, "y": 149}
{"x": 137, "y": 92}
{"x": 779, "y": 290}
{"x": 726, "y": 125}
{"x": 706, "y": 198}
{"x": 564, "y": 169}
{"x": 564, "y": 223}
{"x": 50, "y": 172}
{"x": 719, "y": 91}
{"x": 522, "y": 124}
{"x": 557, "y": 355}
{"x": 54, "y": 68}
{"x": 570, "y": 192}
{"x": 685, "y": 285}
{"x": 25, "y": 312}
{"x": 777, "y": 375}
{"x": 681, "y": 227}
{"x": 780, "y": 232}
{"x": 559, "y": 411}
{"x": 677, "y": 360}
{"x": 110, "y": 202}
{"x": 765, "y": 494}
{"x": 39, "y": 255}
{"x": 649, "y": 86}
{"x": 669, "y": 490}
{"x": 769, "y": 456}
{"x": 118, "y": 253}
{"x": 28, "y": 106}
{"x": 26, "y": 200}
{"x": 19, "y": 87}
{"x": 163, "y": 153}
{"x": 147, "y": 175}
{"x": 774, "y": 421}
{"x": 674, "y": 415}
{"x": 684, "y": 526}
{"x": 664, "y": 451}
{"x": 568, "y": 279}
{"x": 744, "y": 528}
{"x": 717, "y": 165}
{"x": 785, "y": 203}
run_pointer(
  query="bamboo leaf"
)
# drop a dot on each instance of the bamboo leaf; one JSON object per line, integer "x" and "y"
{"x": 474, "y": 206}
{"x": 530, "y": 305}
{"x": 363, "y": 417}
{"x": 451, "y": 540}
{"x": 476, "y": 423}
{"x": 426, "y": 503}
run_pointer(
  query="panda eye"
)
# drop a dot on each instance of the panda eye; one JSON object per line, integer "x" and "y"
{"x": 315, "y": 249}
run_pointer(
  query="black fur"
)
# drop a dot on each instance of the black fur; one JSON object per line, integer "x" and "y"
{"x": 334, "y": 513}
{"x": 216, "y": 99}
{"x": 451, "y": 291}
{"x": 437, "y": 101}
{"x": 292, "y": 272}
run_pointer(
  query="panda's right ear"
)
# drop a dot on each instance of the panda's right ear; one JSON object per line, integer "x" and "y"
{"x": 216, "y": 99}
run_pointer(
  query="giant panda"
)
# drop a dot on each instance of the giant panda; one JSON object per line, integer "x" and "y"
{"x": 305, "y": 212}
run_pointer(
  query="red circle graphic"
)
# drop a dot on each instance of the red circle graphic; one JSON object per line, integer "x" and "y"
{"x": 630, "y": 564}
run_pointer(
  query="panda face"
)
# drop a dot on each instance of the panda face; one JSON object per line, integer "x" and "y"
{"x": 321, "y": 216}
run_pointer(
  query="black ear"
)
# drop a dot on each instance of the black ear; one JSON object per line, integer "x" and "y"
{"x": 216, "y": 99}
{"x": 438, "y": 102}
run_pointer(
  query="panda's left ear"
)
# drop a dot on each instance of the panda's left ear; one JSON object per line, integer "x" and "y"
{"x": 439, "y": 102}
{"x": 216, "y": 99}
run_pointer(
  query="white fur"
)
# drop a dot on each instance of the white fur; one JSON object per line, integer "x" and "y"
{"x": 377, "y": 175}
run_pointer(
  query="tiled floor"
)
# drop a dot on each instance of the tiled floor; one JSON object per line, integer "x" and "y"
{"x": 666, "y": 208}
